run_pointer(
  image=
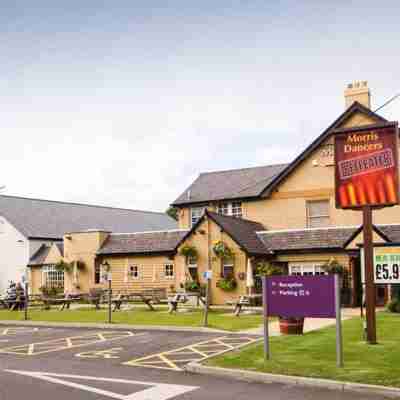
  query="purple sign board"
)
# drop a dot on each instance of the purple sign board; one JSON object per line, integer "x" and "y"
{"x": 299, "y": 296}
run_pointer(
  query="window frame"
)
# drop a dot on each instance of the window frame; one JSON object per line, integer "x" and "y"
{"x": 319, "y": 216}
{"x": 228, "y": 264}
{"x": 131, "y": 275}
{"x": 167, "y": 274}
{"x": 49, "y": 270}
{"x": 195, "y": 218}
{"x": 304, "y": 269}
{"x": 230, "y": 208}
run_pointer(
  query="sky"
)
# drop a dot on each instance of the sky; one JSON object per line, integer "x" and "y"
{"x": 124, "y": 102}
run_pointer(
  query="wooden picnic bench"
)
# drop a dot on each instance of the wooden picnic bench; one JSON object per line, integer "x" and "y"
{"x": 182, "y": 298}
{"x": 148, "y": 297}
{"x": 245, "y": 301}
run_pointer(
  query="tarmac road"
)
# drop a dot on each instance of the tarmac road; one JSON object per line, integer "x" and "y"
{"x": 85, "y": 364}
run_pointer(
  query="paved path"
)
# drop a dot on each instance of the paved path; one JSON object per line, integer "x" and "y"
{"x": 85, "y": 364}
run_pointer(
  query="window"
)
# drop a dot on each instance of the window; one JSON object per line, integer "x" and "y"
{"x": 52, "y": 277}
{"x": 306, "y": 270}
{"x": 317, "y": 213}
{"x": 223, "y": 208}
{"x": 196, "y": 213}
{"x": 97, "y": 273}
{"x": 234, "y": 209}
{"x": 192, "y": 267}
{"x": 237, "y": 209}
{"x": 227, "y": 268}
{"x": 169, "y": 270}
{"x": 133, "y": 272}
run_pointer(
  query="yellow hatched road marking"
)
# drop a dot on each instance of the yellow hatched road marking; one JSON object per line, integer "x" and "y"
{"x": 204, "y": 349}
{"x": 66, "y": 343}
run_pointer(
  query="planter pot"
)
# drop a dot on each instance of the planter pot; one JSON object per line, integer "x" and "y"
{"x": 291, "y": 326}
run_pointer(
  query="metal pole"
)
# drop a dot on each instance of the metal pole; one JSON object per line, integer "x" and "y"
{"x": 369, "y": 275}
{"x": 26, "y": 301}
{"x": 207, "y": 305}
{"x": 267, "y": 351}
{"x": 339, "y": 337}
{"x": 109, "y": 302}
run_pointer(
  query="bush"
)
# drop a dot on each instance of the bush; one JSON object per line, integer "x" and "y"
{"x": 51, "y": 291}
{"x": 227, "y": 284}
{"x": 192, "y": 286}
{"x": 394, "y": 306}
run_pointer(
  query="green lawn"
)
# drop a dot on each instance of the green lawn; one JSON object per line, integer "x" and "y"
{"x": 313, "y": 354}
{"x": 142, "y": 316}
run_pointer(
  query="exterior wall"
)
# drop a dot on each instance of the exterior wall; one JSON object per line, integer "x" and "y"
{"x": 204, "y": 237}
{"x": 82, "y": 246}
{"x": 14, "y": 254}
{"x": 35, "y": 280}
{"x": 151, "y": 273}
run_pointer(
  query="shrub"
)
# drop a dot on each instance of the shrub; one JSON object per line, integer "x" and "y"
{"x": 394, "y": 306}
{"x": 268, "y": 269}
{"x": 228, "y": 284}
{"x": 333, "y": 267}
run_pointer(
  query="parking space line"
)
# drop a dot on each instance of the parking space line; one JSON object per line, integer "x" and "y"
{"x": 173, "y": 359}
{"x": 67, "y": 343}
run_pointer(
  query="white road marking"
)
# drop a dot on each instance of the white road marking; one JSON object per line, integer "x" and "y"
{"x": 157, "y": 391}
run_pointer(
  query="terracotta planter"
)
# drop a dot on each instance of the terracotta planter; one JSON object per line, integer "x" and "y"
{"x": 291, "y": 326}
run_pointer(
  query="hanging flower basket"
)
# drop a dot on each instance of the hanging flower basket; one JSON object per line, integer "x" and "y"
{"x": 189, "y": 252}
{"x": 268, "y": 269}
{"x": 333, "y": 267}
{"x": 228, "y": 284}
{"x": 222, "y": 251}
{"x": 64, "y": 266}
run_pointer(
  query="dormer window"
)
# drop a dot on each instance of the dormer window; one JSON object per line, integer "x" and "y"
{"x": 233, "y": 208}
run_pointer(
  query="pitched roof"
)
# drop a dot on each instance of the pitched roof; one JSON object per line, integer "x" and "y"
{"x": 142, "y": 242}
{"x": 40, "y": 255}
{"x": 36, "y": 218}
{"x": 258, "y": 181}
{"x": 307, "y": 239}
{"x": 242, "y": 231}
{"x": 231, "y": 184}
{"x": 356, "y": 107}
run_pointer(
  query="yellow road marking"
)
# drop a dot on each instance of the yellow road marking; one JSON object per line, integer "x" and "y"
{"x": 170, "y": 359}
{"x": 66, "y": 343}
{"x": 109, "y": 353}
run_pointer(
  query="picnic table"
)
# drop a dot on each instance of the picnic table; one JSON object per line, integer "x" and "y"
{"x": 64, "y": 302}
{"x": 245, "y": 301}
{"x": 182, "y": 298}
{"x": 147, "y": 297}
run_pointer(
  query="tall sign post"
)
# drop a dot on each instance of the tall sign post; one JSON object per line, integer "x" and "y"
{"x": 303, "y": 296}
{"x": 366, "y": 177}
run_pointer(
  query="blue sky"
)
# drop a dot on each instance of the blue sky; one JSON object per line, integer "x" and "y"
{"x": 124, "y": 102}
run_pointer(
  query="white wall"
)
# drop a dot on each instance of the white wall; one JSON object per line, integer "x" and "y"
{"x": 14, "y": 253}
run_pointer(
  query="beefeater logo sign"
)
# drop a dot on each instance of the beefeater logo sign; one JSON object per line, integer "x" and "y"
{"x": 366, "y": 166}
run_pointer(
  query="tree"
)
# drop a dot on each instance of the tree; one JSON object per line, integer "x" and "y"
{"x": 173, "y": 212}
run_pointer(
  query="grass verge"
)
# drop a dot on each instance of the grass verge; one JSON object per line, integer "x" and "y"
{"x": 313, "y": 355}
{"x": 141, "y": 316}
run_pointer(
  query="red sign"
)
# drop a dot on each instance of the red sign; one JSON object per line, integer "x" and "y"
{"x": 366, "y": 166}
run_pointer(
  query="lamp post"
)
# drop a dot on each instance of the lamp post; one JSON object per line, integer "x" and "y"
{"x": 106, "y": 267}
{"x": 24, "y": 280}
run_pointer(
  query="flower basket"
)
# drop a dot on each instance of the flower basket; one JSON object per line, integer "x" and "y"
{"x": 192, "y": 286}
{"x": 228, "y": 284}
{"x": 64, "y": 266}
{"x": 222, "y": 251}
{"x": 333, "y": 267}
{"x": 189, "y": 251}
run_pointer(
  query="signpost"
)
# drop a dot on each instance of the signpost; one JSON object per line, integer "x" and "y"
{"x": 366, "y": 177}
{"x": 207, "y": 275}
{"x": 303, "y": 296}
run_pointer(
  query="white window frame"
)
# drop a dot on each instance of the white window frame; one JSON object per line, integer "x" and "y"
{"x": 167, "y": 271}
{"x": 228, "y": 264}
{"x": 195, "y": 214}
{"x": 319, "y": 216}
{"x": 51, "y": 271}
{"x": 134, "y": 275}
{"x": 306, "y": 269}
{"x": 232, "y": 208}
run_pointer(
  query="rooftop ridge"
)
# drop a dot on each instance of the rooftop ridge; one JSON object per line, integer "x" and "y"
{"x": 311, "y": 229}
{"x": 243, "y": 169}
{"x": 138, "y": 233}
{"x": 81, "y": 204}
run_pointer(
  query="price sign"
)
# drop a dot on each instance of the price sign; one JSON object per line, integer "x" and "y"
{"x": 386, "y": 265}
